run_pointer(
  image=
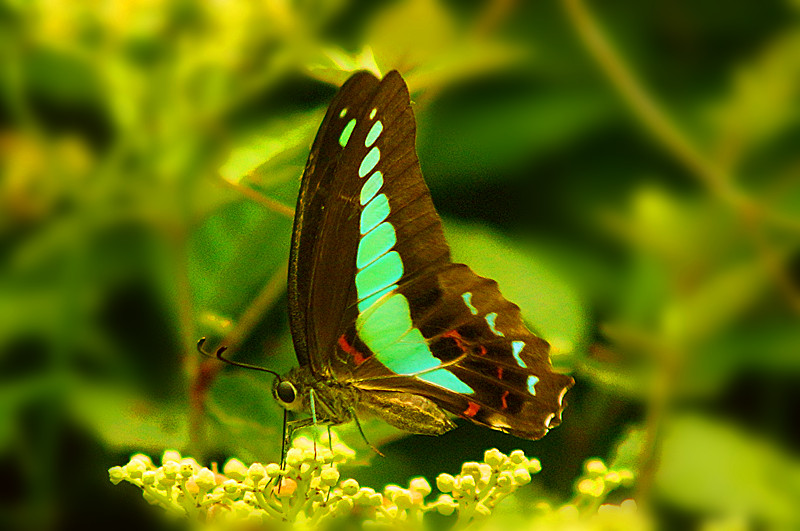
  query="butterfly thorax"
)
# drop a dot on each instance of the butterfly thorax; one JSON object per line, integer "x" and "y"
{"x": 333, "y": 400}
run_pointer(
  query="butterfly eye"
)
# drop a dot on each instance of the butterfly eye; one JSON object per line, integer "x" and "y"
{"x": 286, "y": 392}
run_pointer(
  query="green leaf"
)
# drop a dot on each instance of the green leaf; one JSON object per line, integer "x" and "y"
{"x": 233, "y": 255}
{"x": 261, "y": 153}
{"x": 126, "y": 419}
{"x": 711, "y": 466}
{"x": 246, "y": 421}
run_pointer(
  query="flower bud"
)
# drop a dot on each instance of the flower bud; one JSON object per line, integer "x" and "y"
{"x": 344, "y": 506}
{"x": 186, "y": 470}
{"x": 591, "y": 487}
{"x": 116, "y": 474}
{"x": 467, "y": 484}
{"x": 471, "y": 468}
{"x": 517, "y": 457}
{"x": 445, "y": 505}
{"x": 363, "y": 495}
{"x": 329, "y": 476}
{"x": 403, "y": 500}
{"x": 145, "y": 459}
{"x": 522, "y": 476}
{"x": 375, "y": 500}
{"x": 256, "y": 472}
{"x": 170, "y": 455}
{"x": 445, "y": 482}
{"x": 294, "y": 457}
{"x": 595, "y": 466}
{"x": 350, "y": 487}
{"x": 534, "y": 466}
{"x": 171, "y": 469}
{"x": 493, "y": 457}
{"x": 505, "y": 479}
{"x": 420, "y": 485}
{"x": 135, "y": 469}
{"x": 235, "y": 469}
{"x": 613, "y": 479}
{"x": 205, "y": 479}
{"x": 272, "y": 470}
{"x": 191, "y": 462}
{"x": 231, "y": 487}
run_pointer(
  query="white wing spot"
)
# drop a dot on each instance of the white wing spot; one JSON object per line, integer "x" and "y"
{"x": 549, "y": 419}
{"x": 373, "y": 113}
{"x": 343, "y": 113}
{"x": 561, "y": 397}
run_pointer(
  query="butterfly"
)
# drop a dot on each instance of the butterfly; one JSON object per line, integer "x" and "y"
{"x": 382, "y": 320}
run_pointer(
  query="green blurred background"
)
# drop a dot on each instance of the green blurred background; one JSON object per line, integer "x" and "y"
{"x": 628, "y": 171}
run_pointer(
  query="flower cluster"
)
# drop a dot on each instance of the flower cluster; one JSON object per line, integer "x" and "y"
{"x": 586, "y": 510}
{"x": 309, "y": 493}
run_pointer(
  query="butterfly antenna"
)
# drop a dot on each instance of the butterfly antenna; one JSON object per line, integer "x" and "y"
{"x": 221, "y": 350}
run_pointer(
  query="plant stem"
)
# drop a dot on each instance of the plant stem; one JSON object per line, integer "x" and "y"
{"x": 645, "y": 107}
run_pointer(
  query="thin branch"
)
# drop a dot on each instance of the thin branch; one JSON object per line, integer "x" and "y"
{"x": 267, "y": 202}
{"x": 646, "y": 108}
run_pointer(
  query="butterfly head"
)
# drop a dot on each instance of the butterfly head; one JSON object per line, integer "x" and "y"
{"x": 286, "y": 393}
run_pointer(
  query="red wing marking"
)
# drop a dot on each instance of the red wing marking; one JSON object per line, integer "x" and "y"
{"x": 455, "y": 336}
{"x": 499, "y": 373}
{"x": 503, "y": 400}
{"x": 483, "y": 350}
{"x": 356, "y": 355}
{"x": 472, "y": 408}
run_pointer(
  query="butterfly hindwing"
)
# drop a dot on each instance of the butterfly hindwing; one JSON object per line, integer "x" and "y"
{"x": 485, "y": 365}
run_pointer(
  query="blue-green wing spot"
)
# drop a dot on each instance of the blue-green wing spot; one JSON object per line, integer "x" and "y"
{"x": 490, "y": 320}
{"x": 374, "y": 213}
{"x": 532, "y": 381}
{"x": 365, "y": 303}
{"x": 375, "y": 244}
{"x": 468, "y": 301}
{"x": 373, "y": 134}
{"x": 388, "y": 331}
{"x": 517, "y": 347}
{"x": 371, "y": 187}
{"x": 381, "y": 273}
{"x": 369, "y": 161}
{"x": 347, "y": 131}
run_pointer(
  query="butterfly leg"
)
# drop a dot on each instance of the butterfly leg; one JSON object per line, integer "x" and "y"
{"x": 361, "y": 431}
{"x": 314, "y": 418}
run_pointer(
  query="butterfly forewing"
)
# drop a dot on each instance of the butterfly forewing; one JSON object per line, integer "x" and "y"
{"x": 365, "y": 144}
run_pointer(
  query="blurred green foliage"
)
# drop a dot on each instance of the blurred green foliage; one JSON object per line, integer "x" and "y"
{"x": 629, "y": 172}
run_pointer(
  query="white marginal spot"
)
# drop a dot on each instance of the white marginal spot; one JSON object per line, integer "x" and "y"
{"x": 468, "y": 301}
{"x": 343, "y": 113}
{"x": 372, "y": 113}
{"x": 532, "y": 381}
{"x": 561, "y": 397}
{"x": 517, "y": 347}
{"x": 549, "y": 419}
